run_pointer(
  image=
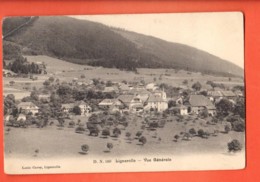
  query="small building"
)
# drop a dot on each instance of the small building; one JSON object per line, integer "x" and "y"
{"x": 106, "y": 103}
{"x": 228, "y": 94}
{"x": 8, "y": 73}
{"x": 110, "y": 90}
{"x": 156, "y": 103}
{"x": 66, "y": 108}
{"x": 21, "y": 117}
{"x": 130, "y": 102}
{"x": 183, "y": 110}
{"x": 198, "y": 103}
{"x": 44, "y": 97}
{"x": 28, "y": 107}
{"x": 84, "y": 107}
{"x": 124, "y": 88}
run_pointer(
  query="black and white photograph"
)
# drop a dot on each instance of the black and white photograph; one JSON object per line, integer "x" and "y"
{"x": 124, "y": 93}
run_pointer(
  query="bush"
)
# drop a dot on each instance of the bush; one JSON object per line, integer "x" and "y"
{"x": 85, "y": 148}
{"x": 143, "y": 140}
{"x": 71, "y": 124}
{"x": 227, "y": 128}
{"x": 238, "y": 126}
{"x": 234, "y": 146}
{"x": 192, "y": 131}
{"x": 80, "y": 129}
{"x": 110, "y": 146}
{"x": 105, "y": 132}
{"x": 176, "y": 137}
{"x": 116, "y": 132}
{"x": 138, "y": 134}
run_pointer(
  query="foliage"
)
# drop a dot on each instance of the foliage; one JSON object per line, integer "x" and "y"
{"x": 234, "y": 146}
{"x": 76, "y": 110}
{"x": 110, "y": 146}
{"x": 117, "y": 132}
{"x": 197, "y": 86}
{"x": 143, "y": 140}
{"x": 224, "y": 106}
{"x": 105, "y": 132}
{"x": 85, "y": 148}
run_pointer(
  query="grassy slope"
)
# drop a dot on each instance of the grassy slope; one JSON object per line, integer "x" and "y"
{"x": 83, "y": 42}
{"x": 180, "y": 55}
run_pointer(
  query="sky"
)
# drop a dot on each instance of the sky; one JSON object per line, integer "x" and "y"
{"x": 221, "y": 34}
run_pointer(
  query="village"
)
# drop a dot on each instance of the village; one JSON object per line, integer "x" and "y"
{"x": 140, "y": 111}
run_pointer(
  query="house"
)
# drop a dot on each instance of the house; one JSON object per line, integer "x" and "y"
{"x": 156, "y": 103}
{"x": 198, "y": 103}
{"x": 116, "y": 106}
{"x": 84, "y": 107}
{"x": 142, "y": 93}
{"x": 8, "y": 73}
{"x": 228, "y": 94}
{"x": 110, "y": 90}
{"x": 124, "y": 88}
{"x": 28, "y": 107}
{"x": 183, "y": 110}
{"x": 106, "y": 103}
{"x": 131, "y": 102}
{"x": 21, "y": 117}
{"x": 214, "y": 95}
{"x": 44, "y": 97}
{"x": 66, "y": 108}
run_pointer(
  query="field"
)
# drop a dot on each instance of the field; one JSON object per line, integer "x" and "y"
{"x": 53, "y": 141}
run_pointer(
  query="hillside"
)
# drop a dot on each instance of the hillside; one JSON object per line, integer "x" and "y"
{"x": 86, "y": 42}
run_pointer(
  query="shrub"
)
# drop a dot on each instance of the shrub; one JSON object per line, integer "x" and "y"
{"x": 80, "y": 129}
{"x": 71, "y": 124}
{"x": 85, "y": 148}
{"x": 234, "y": 146}
{"x": 192, "y": 131}
{"x": 143, "y": 140}
{"x": 116, "y": 132}
{"x": 176, "y": 137}
{"x": 138, "y": 134}
{"x": 109, "y": 146}
{"x": 105, "y": 132}
{"x": 227, "y": 128}
{"x": 238, "y": 126}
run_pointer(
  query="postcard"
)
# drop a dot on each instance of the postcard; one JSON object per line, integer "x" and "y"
{"x": 124, "y": 93}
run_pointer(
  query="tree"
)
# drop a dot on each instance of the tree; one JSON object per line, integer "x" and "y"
{"x": 46, "y": 83}
{"x": 105, "y": 132}
{"x": 201, "y": 133}
{"x": 192, "y": 131}
{"x": 240, "y": 108}
{"x": 138, "y": 134}
{"x": 227, "y": 128}
{"x": 85, "y": 148}
{"x": 109, "y": 146}
{"x": 11, "y": 83}
{"x": 128, "y": 135}
{"x": 51, "y": 79}
{"x": 204, "y": 113}
{"x": 234, "y": 146}
{"x": 224, "y": 106}
{"x": 238, "y": 126}
{"x": 176, "y": 137}
{"x": 80, "y": 129}
{"x": 143, "y": 140}
{"x": 76, "y": 110}
{"x": 196, "y": 86}
{"x": 116, "y": 132}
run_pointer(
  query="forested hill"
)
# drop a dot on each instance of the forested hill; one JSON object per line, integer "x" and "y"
{"x": 86, "y": 42}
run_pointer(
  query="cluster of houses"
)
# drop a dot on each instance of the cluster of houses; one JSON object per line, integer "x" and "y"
{"x": 139, "y": 99}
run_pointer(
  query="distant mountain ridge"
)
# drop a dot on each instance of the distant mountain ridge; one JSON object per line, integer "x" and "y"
{"x": 86, "y": 42}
